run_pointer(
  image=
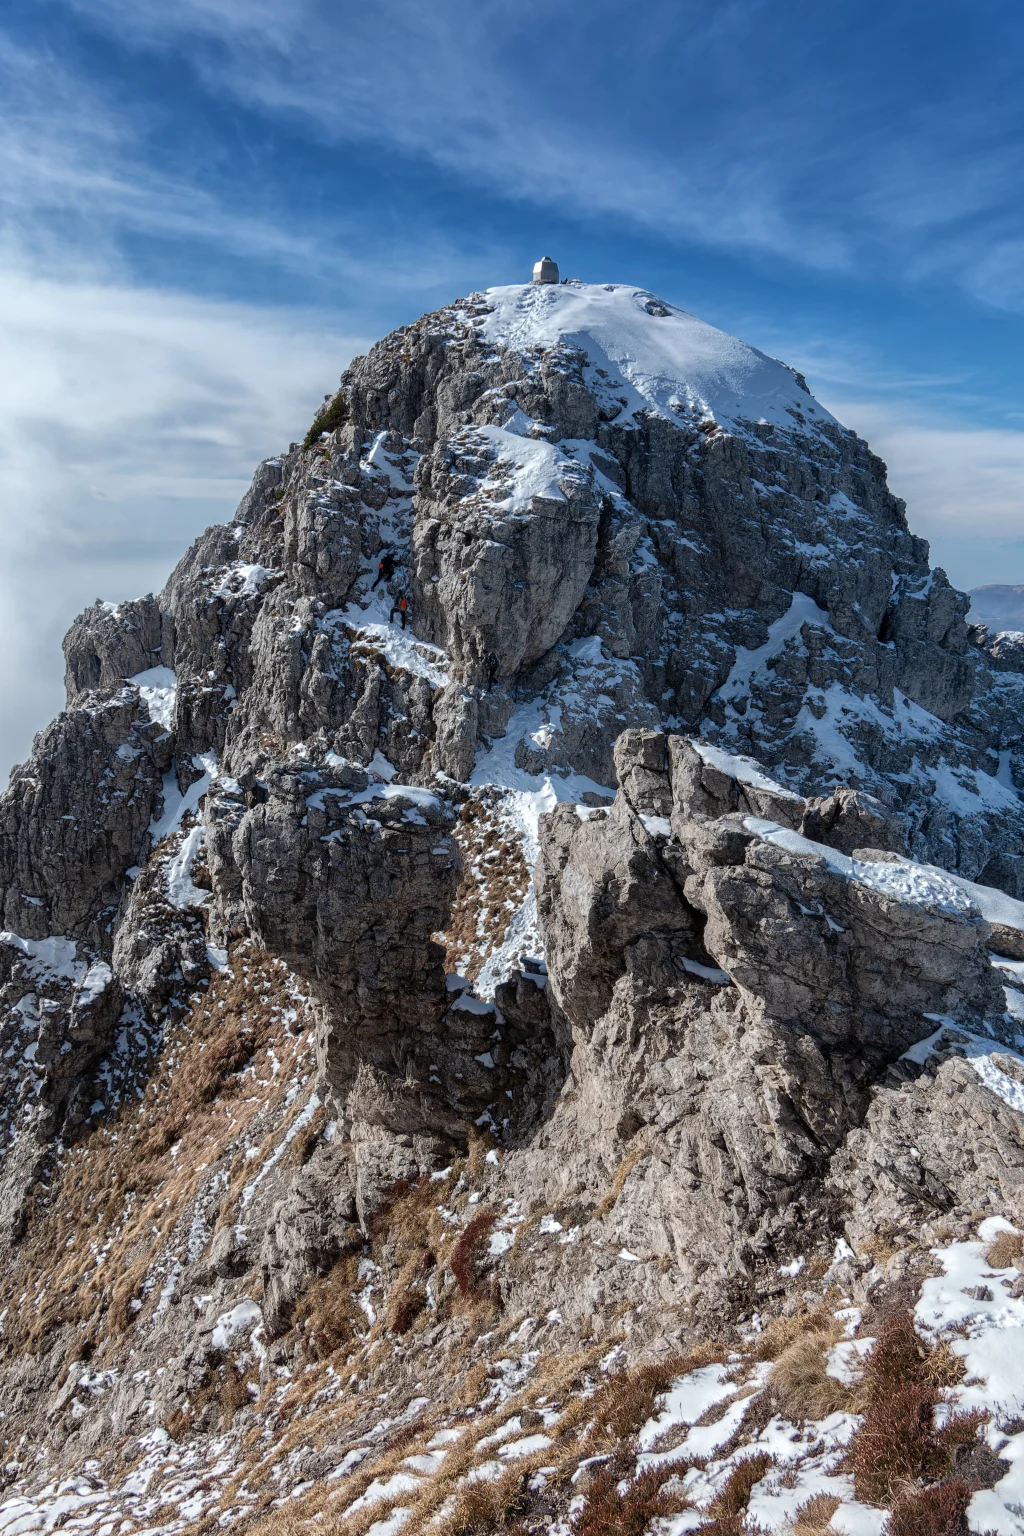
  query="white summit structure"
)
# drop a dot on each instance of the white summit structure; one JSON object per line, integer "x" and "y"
{"x": 545, "y": 270}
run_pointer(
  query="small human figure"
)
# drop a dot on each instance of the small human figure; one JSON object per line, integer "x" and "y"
{"x": 386, "y": 568}
{"x": 491, "y": 662}
{"x": 400, "y": 608}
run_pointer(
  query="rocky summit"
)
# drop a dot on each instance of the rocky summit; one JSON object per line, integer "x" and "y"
{"x": 512, "y": 980}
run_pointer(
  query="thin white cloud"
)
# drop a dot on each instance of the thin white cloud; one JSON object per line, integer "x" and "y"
{"x": 955, "y": 480}
{"x": 131, "y": 419}
{"x": 74, "y": 179}
{"x": 733, "y": 125}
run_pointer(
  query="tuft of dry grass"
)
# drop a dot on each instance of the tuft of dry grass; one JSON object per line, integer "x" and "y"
{"x": 942, "y": 1368}
{"x": 1007, "y": 1252}
{"x": 782, "y": 1331}
{"x": 734, "y": 1496}
{"x": 467, "y": 1253}
{"x": 326, "y": 1314}
{"x": 800, "y": 1380}
{"x": 937, "y": 1511}
{"x": 618, "y": 1184}
{"x": 482, "y": 1508}
{"x": 629, "y": 1512}
{"x": 897, "y": 1446}
{"x": 409, "y": 1294}
{"x": 179, "y": 1422}
{"x": 814, "y": 1516}
{"x": 893, "y": 1445}
{"x": 623, "y": 1404}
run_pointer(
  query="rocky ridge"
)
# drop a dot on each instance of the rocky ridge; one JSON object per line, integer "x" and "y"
{"x": 574, "y": 959}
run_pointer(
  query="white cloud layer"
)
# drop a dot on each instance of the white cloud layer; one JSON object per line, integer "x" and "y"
{"x": 130, "y": 419}
{"x": 955, "y": 480}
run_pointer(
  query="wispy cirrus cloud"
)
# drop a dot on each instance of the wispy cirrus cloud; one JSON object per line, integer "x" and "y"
{"x": 131, "y": 414}
{"x": 743, "y": 126}
{"x": 75, "y": 180}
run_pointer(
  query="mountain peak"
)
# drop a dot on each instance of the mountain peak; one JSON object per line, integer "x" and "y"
{"x": 534, "y": 894}
{"x": 658, "y": 356}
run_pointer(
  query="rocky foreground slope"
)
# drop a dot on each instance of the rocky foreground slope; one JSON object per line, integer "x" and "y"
{"x": 511, "y": 979}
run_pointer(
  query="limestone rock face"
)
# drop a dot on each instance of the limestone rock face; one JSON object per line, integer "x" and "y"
{"x": 497, "y": 575}
{"x": 348, "y": 880}
{"x": 935, "y": 1138}
{"x": 732, "y": 1000}
{"x": 75, "y": 818}
{"x": 549, "y": 865}
{"x": 59, "y": 1009}
{"x": 111, "y": 642}
{"x": 309, "y": 1229}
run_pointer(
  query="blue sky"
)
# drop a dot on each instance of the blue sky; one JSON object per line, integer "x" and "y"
{"x": 208, "y": 205}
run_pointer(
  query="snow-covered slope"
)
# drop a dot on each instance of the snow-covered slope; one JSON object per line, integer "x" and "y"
{"x": 655, "y": 355}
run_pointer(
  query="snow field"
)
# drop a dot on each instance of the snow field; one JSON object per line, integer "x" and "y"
{"x": 655, "y": 356}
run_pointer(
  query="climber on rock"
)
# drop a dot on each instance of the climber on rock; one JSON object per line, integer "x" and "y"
{"x": 386, "y": 568}
{"x": 400, "y": 606}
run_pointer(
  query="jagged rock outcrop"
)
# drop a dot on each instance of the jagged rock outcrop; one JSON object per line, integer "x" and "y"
{"x": 75, "y": 818}
{"x": 732, "y": 1000}
{"x": 520, "y": 868}
{"x": 110, "y": 642}
{"x": 937, "y": 1138}
{"x": 309, "y": 1229}
{"x": 59, "y": 1010}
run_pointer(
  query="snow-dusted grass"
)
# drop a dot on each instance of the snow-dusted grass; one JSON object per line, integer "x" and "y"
{"x": 600, "y": 1448}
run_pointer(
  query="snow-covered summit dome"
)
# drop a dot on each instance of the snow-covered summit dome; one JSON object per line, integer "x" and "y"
{"x": 655, "y": 356}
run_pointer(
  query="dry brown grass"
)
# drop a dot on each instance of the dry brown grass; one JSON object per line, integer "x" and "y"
{"x": 608, "y": 1512}
{"x": 937, "y": 1511}
{"x": 814, "y": 1516}
{"x": 121, "y": 1189}
{"x": 897, "y": 1445}
{"x": 623, "y": 1404}
{"x": 465, "y": 1257}
{"x": 326, "y": 1315}
{"x": 781, "y": 1332}
{"x": 942, "y": 1368}
{"x": 734, "y": 1496}
{"x": 481, "y": 1508}
{"x": 618, "y": 1184}
{"x": 1007, "y": 1252}
{"x": 494, "y": 883}
{"x": 880, "y": 1247}
{"x": 800, "y": 1380}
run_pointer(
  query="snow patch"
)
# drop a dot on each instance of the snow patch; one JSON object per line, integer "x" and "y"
{"x": 656, "y": 357}
{"x": 911, "y": 884}
{"x": 158, "y": 687}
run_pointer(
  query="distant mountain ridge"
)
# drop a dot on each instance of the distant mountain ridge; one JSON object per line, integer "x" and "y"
{"x": 997, "y": 607}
